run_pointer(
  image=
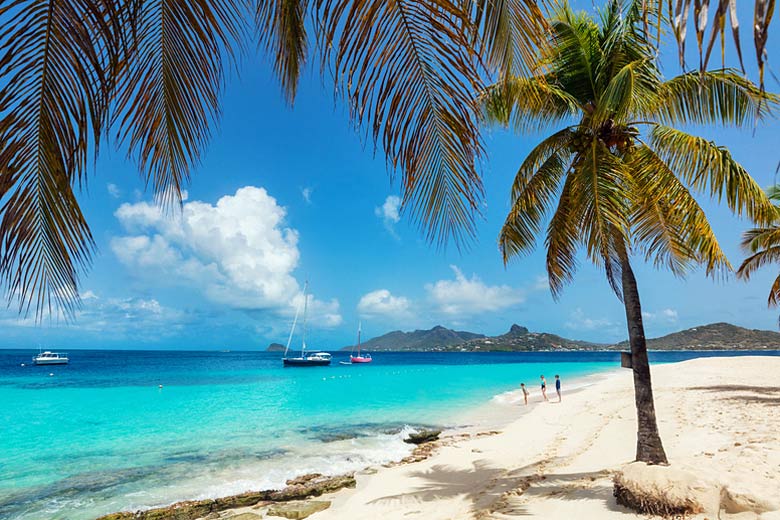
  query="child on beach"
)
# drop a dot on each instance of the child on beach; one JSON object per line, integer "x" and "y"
{"x": 544, "y": 388}
{"x": 525, "y": 392}
{"x": 558, "y": 386}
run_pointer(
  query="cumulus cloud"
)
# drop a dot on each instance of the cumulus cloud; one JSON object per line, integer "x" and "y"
{"x": 390, "y": 213}
{"x": 381, "y": 303}
{"x": 237, "y": 252}
{"x": 664, "y": 315}
{"x": 114, "y": 190}
{"x": 471, "y": 295}
{"x": 579, "y": 321}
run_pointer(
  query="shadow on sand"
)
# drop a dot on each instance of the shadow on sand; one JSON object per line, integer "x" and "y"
{"x": 767, "y": 395}
{"x": 507, "y": 492}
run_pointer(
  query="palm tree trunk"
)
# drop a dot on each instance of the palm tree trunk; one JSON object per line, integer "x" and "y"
{"x": 648, "y": 442}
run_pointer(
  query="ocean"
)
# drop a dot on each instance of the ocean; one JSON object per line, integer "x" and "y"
{"x": 99, "y": 435}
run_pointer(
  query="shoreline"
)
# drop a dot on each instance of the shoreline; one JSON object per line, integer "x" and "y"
{"x": 557, "y": 461}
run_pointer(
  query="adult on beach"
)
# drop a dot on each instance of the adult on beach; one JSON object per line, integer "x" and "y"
{"x": 544, "y": 388}
{"x": 558, "y": 386}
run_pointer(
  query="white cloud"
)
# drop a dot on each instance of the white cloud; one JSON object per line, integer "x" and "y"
{"x": 114, "y": 190}
{"x": 382, "y": 303}
{"x": 541, "y": 283}
{"x": 237, "y": 252}
{"x": 306, "y": 194}
{"x": 471, "y": 296}
{"x": 390, "y": 213}
{"x": 579, "y": 321}
{"x": 664, "y": 315}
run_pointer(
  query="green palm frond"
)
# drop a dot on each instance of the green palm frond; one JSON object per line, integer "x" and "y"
{"x": 628, "y": 92}
{"x": 667, "y": 221}
{"x": 604, "y": 218}
{"x": 55, "y": 58}
{"x": 282, "y": 28}
{"x": 710, "y": 168}
{"x": 564, "y": 236}
{"x": 759, "y": 259}
{"x": 511, "y": 31}
{"x": 575, "y": 55}
{"x": 407, "y": 71}
{"x": 168, "y": 98}
{"x": 528, "y": 104}
{"x": 711, "y": 97}
{"x": 533, "y": 192}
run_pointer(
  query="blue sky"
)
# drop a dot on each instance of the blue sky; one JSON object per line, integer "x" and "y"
{"x": 288, "y": 194}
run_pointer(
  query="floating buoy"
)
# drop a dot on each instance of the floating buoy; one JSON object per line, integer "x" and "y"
{"x": 51, "y": 374}
{"x": 22, "y": 364}
{"x": 159, "y": 386}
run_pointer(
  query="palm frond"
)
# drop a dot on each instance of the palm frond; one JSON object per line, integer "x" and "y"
{"x": 529, "y": 104}
{"x": 168, "y": 98}
{"x": 759, "y": 259}
{"x": 575, "y": 55}
{"x": 667, "y": 221}
{"x": 563, "y": 238}
{"x": 604, "y": 221}
{"x": 756, "y": 239}
{"x": 407, "y": 71}
{"x": 282, "y": 28}
{"x": 535, "y": 186}
{"x": 719, "y": 27}
{"x": 710, "y": 168}
{"x": 512, "y": 32}
{"x": 711, "y": 97}
{"x": 55, "y": 61}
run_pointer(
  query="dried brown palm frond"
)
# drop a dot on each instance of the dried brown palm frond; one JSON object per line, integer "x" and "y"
{"x": 57, "y": 58}
{"x": 281, "y": 25}
{"x": 409, "y": 74}
{"x": 168, "y": 95}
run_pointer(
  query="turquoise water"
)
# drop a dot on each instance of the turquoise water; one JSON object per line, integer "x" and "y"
{"x": 99, "y": 435}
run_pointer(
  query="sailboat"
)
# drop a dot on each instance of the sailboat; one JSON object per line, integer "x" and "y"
{"x": 316, "y": 359}
{"x": 360, "y": 358}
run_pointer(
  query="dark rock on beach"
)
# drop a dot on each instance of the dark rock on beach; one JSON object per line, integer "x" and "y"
{"x": 300, "y": 488}
{"x": 422, "y": 436}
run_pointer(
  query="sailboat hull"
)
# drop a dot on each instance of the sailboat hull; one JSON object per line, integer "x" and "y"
{"x": 360, "y": 360}
{"x": 304, "y": 362}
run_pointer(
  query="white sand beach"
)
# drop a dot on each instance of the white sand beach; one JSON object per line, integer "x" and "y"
{"x": 719, "y": 419}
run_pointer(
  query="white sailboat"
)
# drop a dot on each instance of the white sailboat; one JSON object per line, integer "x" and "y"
{"x": 316, "y": 359}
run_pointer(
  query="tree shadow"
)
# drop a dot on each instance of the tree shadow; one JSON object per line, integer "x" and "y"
{"x": 766, "y": 395}
{"x": 498, "y": 490}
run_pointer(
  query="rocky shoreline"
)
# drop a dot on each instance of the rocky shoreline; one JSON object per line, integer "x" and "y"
{"x": 294, "y": 501}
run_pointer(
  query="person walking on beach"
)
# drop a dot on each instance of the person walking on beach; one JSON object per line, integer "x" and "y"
{"x": 558, "y": 386}
{"x": 544, "y": 388}
{"x": 525, "y": 392}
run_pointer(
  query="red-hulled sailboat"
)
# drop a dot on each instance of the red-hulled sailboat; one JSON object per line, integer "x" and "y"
{"x": 360, "y": 358}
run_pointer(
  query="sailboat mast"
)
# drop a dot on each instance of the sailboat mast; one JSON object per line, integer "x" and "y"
{"x": 359, "y": 327}
{"x": 305, "y": 306}
{"x": 295, "y": 320}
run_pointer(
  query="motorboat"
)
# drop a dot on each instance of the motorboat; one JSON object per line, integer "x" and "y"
{"x": 50, "y": 358}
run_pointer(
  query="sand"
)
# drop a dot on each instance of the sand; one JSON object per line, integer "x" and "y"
{"x": 719, "y": 419}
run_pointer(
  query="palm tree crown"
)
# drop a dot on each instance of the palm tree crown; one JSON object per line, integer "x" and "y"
{"x": 621, "y": 173}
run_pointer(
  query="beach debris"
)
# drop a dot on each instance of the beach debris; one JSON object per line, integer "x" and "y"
{"x": 664, "y": 491}
{"x": 298, "y": 509}
{"x": 423, "y": 436}
{"x": 312, "y": 485}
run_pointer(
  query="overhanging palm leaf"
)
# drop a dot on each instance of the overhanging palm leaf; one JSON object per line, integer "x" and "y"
{"x": 282, "y": 28}
{"x": 407, "y": 71}
{"x": 53, "y": 54}
{"x": 168, "y": 98}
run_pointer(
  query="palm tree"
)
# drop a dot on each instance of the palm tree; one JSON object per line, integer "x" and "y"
{"x": 150, "y": 73}
{"x": 618, "y": 176}
{"x": 763, "y": 244}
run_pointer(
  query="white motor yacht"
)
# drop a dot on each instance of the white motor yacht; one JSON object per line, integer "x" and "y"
{"x": 51, "y": 358}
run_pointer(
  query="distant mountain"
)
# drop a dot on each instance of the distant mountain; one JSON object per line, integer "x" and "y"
{"x": 520, "y": 339}
{"x": 715, "y": 336}
{"x": 437, "y": 338}
{"x": 275, "y": 347}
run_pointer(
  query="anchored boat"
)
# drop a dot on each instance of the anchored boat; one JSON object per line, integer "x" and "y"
{"x": 316, "y": 359}
{"x": 360, "y": 358}
{"x": 50, "y": 358}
